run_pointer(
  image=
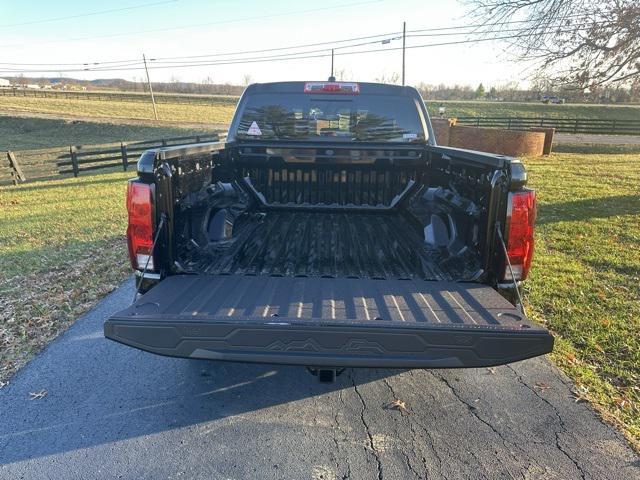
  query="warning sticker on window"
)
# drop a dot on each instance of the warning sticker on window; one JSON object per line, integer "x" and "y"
{"x": 410, "y": 135}
{"x": 254, "y": 129}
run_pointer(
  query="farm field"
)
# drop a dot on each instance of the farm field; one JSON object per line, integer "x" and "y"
{"x": 62, "y": 248}
{"x": 521, "y": 109}
{"x": 176, "y": 113}
{"x": 22, "y": 133}
{"x": 220, "y": 113}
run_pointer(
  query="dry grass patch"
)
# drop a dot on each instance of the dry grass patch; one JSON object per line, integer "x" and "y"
{"x": 218, "y": 113}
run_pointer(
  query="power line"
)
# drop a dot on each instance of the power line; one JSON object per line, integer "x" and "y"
{"x": 389, "y": 36}
{"x": 116, "y": 65}
{"x": 298, "y": 54}
{"x": 245, "y": 52}
{"x": 136, "y": 65}
{"x": 433, "y": 29}
{"x": 66, "y": 64}
{"x": 89, "y": 14}
{"x": 119, "y": 63}
{"x": 267, "y": 57}
{"x": 378, "y": 37}
{"x": 493, "y": 24}
{"x": 281, "y": 48}
{"x": 302, "y": 55}
{"x": 286, "y": 57}
{"x": 183, "y": 61}
{"x": 484, "y": 32}
{"x": 282, "y": 57}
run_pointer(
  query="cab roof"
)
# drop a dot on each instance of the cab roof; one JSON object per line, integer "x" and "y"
{"x": 298, "y": 87}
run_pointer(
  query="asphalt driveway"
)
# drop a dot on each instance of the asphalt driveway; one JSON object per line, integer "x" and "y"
{"x": 114, "y": 412}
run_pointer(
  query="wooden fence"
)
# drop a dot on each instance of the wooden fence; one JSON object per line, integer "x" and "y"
{"x": 562, "y": 125}
{"x": 191, "y": 99}
{"x": 43, "y": 164}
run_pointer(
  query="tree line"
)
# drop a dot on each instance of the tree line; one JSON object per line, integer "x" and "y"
{"x": 513, "y": 92}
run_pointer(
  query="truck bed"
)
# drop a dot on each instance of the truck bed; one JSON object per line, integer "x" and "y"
{"x": 339, "y": 244}
{"x": 329, "y": 322}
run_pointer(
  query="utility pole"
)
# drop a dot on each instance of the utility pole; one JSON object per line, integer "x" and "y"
{"x": 153, "y": 100}
{"x": 404, "y": 40}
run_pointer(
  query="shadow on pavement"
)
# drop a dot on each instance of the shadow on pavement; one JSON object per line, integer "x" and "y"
{"x": 100, "y": 392}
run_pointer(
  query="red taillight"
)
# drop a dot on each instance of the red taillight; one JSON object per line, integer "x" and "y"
{"x": 521, "y": 218}
{"x": 347, "y": 88}
{"x": 140, "y": 228}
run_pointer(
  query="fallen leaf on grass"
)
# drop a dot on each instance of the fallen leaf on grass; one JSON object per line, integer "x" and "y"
{"x": 579, "y": 395}
{"x": 38, "y": 395}
{"x": 397, "y": 405}
{"x": 621, "y": 403}
{"x": 571, "y": 358}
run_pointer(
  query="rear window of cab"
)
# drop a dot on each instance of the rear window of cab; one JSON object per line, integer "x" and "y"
{"x": 316, "y": 116}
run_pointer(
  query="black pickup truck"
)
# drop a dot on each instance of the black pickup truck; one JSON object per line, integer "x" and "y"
{"x": 329, "y": 230}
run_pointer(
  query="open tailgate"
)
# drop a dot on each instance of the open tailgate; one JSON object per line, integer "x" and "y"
{"x": 329, "y": 322}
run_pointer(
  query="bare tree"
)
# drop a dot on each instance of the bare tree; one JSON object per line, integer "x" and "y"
{"x": 247, "y": 79}
{"x": 342, "y": 74}
{"x": 586, "y": 43}
{"x": 391, "y": 78}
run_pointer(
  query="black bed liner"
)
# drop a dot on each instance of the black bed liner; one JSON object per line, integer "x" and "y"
{"x": 329, "y": 322}
{"x": 337, "y": 244}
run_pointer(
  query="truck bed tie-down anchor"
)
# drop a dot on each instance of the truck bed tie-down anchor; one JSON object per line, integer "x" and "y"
{"x": 325, "y": 375}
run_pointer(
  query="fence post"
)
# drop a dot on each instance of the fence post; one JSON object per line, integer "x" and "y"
{"x": 16, "y": 173}
{"x": 575, "y": 127}
{"x": 125, "y": 159}
{"x": 73, "y": 153}
{"x": 197, "y": 138}
{"x": 509, "y": 123}
{"x": 477, "y": 121}
{"x": 164, "y": 142}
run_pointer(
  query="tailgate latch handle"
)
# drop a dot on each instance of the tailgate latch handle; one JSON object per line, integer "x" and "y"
{"x": 513, "y": 278}
{"x": 163, "y": 218}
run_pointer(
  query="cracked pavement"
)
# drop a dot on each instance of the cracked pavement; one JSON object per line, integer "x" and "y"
{"x": 115, "y": 412}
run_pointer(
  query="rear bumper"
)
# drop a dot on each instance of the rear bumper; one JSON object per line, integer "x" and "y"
{"x": 332, "y": 346}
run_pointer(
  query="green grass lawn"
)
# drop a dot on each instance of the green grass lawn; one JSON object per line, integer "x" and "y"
{"x": 23, "y": 133}
{"x": 62, "y": 248}
{"x": 585, "y": 282}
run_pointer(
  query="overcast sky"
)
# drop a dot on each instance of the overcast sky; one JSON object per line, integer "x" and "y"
{"x": 42, "y": 32}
